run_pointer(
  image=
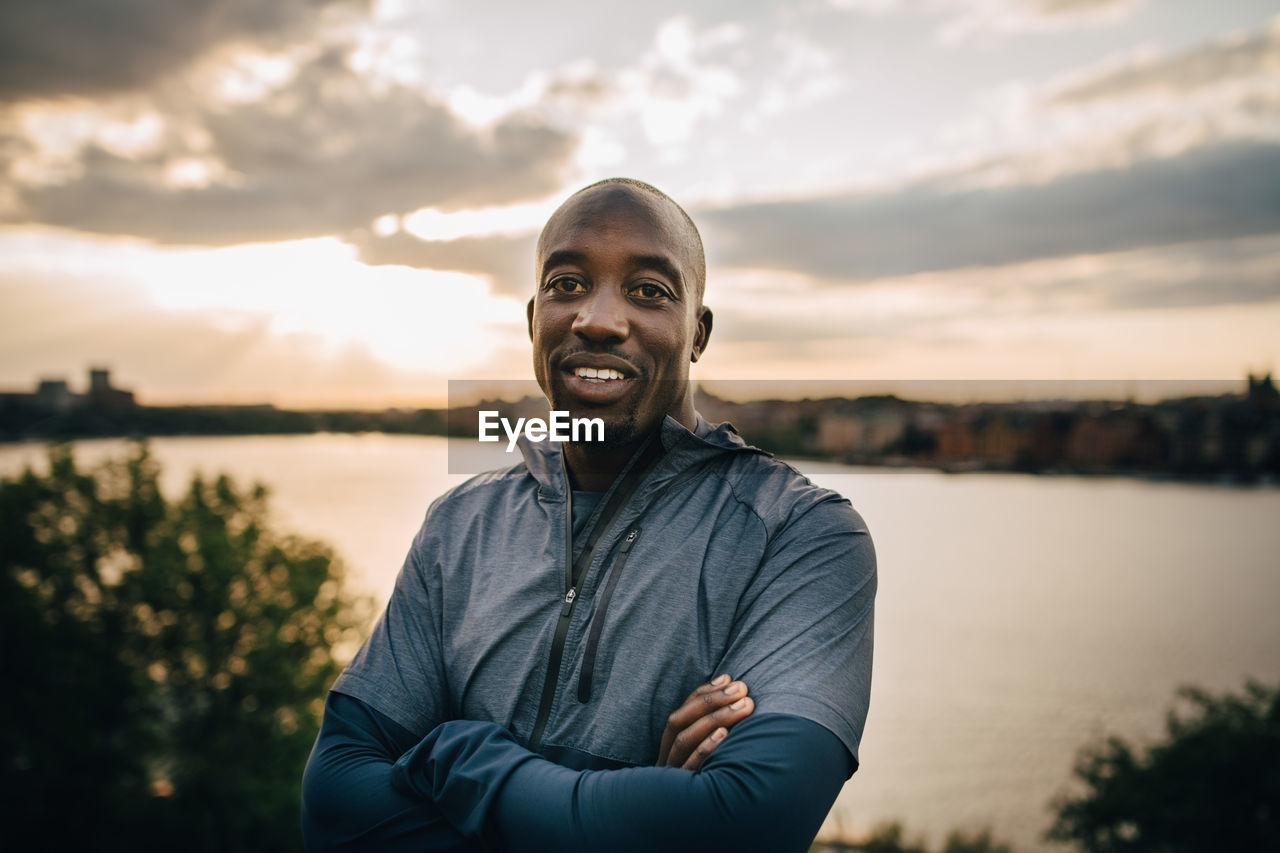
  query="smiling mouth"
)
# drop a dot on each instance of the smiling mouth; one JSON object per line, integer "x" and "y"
{"x": 598, "y": 374}
{"x": 597, "y": 386}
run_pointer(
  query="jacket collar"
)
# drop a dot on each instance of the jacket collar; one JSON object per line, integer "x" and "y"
{"x": 685, "y": 448}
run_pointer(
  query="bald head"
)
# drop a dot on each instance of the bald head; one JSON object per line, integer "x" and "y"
{"x": 616, "y": 192}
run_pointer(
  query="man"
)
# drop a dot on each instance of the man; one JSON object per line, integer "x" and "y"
{"x": 517, "y": 688}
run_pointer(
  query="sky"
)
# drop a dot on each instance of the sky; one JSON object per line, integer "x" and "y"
{"x": 334, "y": 202}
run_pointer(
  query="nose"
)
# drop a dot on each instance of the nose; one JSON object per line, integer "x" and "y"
{"x": 602, "y": 317}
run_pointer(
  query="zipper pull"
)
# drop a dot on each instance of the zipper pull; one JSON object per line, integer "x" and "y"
{"x": 630, "y": 540}
{"x": 568, "y": 601}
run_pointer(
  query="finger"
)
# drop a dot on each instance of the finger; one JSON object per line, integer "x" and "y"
{"x": 720, "y": 680}
{"x": 694, "y": 737}
{"x": 703, "y": 701}
{"x": 678, "y": 720}
{"x": 665, "y": 749}
{"x": 695, "y": 759}
{"x": 731, "y": 714}
{"x": 707, "y": 689}
{"x": 689, "y": 711}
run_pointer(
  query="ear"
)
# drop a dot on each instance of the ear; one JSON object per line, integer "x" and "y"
{"x": 528, "y": 314}
{"x": 701, "y": 333}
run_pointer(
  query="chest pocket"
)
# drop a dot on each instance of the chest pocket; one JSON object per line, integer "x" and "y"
{"x": 587, "y": 672}
{"x": 658, "y": 627}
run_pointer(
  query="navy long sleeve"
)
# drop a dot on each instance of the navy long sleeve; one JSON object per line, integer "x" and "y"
{"x": 348, "y": 802}
{"x": 370, "y": 785}
{"x": 767, "y": 786}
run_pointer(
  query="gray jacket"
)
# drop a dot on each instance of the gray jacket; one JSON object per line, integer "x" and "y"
{"x": 724, "y": 559}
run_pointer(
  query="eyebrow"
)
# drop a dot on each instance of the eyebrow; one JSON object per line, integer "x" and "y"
{"x": 658, "y": 263}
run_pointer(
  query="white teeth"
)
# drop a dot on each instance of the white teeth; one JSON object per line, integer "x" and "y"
{"x": 597, "y": 373}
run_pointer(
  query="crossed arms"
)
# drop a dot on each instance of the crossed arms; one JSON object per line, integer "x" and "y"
{"x": 370, "y": 785}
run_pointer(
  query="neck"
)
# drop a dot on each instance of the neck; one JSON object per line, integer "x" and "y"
{"x": 593, "y": 469}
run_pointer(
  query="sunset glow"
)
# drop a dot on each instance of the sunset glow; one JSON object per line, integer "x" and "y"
{"x": 341, "y": 210}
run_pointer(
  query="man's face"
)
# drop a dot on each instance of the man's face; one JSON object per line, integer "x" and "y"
{"x": 615, "y": 319}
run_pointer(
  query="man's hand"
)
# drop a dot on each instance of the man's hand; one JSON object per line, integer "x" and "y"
{"x": 694, "y": 729}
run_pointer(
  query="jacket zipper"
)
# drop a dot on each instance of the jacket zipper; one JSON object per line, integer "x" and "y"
{"x": 553, "y": 668}
{"x": 562, "y": 627}
{"x": 651, "y": 455}
{"x": 597, "y": 619}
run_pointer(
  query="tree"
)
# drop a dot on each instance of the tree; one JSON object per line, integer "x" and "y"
{"x": 167, "y": 661}
{"x": 891, "y": 838}
{"x": 1212, "y": 784}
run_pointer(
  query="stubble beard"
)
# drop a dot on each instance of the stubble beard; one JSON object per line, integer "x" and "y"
{"x": 621, "y": 429}
{"x": 625, "y": 429}
{"x": 616, "y": 436}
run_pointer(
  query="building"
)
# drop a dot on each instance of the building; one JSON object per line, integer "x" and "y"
{"x": 102, "y": 395}
{"x": 55, "y": 396}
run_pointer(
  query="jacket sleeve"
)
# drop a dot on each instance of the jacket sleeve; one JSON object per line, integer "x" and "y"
{"x": 803, "y": 634}
{"x": 399, "y": 669}
{"x": 767, "y": 786}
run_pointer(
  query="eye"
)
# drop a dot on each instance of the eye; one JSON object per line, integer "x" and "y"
{"x": 566, "y": 284}
{"x": 648, "y": 290}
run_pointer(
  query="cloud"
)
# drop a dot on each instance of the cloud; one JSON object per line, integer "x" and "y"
{"x": 676, "y": 83}
{"x": 1072, "y": 8}
{"x": 867, "y": 7}
{"x": 1191, "y": 207}
{"x": 1256, "y": 55}
{"x": 169, "y": 357}
{"x": 967, "y": 18}
{"x": 1244, "y": 271}
{"x": 58, "y": 321}
{"x": 1215, "y": 192}
{"x": 1232, "y": 272}
{"x": 1009, "y": 17}
{"x": 91, "y": 48}
{"x": 1140, "y": 105}
{"x": 325, "y": 152}
{"x": 1132, "y": 311}
{"x": 506, "y": 260}
{"x": 803, "y": 73}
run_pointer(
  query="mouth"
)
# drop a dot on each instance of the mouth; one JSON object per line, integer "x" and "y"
{"x": 597, "y": 384}
{"x": 598, "y": 374}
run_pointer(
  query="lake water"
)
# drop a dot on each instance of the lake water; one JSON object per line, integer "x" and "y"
{"x": 1018, "y": 617}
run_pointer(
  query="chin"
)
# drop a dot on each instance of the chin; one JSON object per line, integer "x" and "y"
{"x": 617, "y": 436}
{"x": 620, "y": 427}
{"x": 619, "y": 430}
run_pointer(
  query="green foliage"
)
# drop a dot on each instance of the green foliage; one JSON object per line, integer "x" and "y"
{"x": 166, "y": 661}
{"x": 1212, "y": 784}
{"x": 981, "y": 842}
{"x": 891, "y": 838}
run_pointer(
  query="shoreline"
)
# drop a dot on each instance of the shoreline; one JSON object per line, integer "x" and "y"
{"x": 1227, "y": 479}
